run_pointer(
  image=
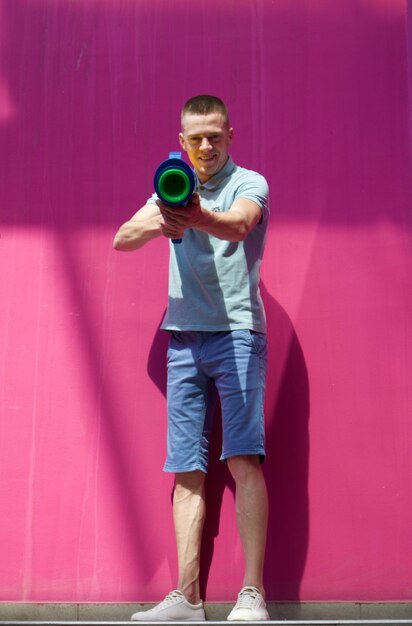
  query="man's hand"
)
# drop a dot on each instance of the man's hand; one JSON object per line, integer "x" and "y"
{"x": 176, "y": 219}
{"x": 232, "y": 225}
{"x": 168, "y": 231}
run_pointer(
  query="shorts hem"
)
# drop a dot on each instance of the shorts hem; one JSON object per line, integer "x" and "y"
{"x": 260, "y": 453}
{"x": 180, "y": 470}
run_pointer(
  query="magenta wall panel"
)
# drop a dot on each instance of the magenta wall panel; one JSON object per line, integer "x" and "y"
{"x": 319, "y": 94}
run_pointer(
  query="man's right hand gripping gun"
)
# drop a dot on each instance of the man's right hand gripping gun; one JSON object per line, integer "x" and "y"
{"x": 174, "y": 182}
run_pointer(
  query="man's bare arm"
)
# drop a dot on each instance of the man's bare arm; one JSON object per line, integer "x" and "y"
{"x": 141, "y": 228}
{"x": 232, "y": 225}
{"x": 145, "y": 225}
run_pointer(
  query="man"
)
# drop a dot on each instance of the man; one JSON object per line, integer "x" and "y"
{"x": 218, "y": 342}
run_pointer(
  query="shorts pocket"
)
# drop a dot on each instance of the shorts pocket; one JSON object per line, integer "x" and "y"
{"x": 258, "y": 342}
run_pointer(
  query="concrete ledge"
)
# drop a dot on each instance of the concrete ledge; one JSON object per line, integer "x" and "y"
{"x": 215, "y": 611}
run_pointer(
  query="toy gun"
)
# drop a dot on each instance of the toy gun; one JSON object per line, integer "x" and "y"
{"x": 174, "y": 182}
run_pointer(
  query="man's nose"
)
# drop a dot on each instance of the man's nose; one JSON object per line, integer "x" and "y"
{"x": 205, "y": 144}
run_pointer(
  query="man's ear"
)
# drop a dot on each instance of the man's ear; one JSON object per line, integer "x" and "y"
{"x": 230, "y": 135}
{"x": 182, "y": 141}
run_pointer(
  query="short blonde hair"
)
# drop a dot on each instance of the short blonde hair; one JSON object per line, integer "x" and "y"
{"x": 203, "y": 105}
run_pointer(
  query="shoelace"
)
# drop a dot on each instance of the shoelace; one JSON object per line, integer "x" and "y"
{"x": 170, "y": 599}
{"x": 247, "y": 597}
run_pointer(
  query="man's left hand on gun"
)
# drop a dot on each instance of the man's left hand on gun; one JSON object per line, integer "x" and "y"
{"x": 177, "y": 218}
{"x": 171, "y": 232}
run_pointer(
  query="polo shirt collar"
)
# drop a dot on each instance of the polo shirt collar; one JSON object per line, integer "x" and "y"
{"x": 214, "y": 182}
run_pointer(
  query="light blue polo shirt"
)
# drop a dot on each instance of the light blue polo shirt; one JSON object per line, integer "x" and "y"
{"x": 214, "y": 284}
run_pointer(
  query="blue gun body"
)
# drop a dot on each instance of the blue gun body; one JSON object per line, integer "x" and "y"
{"x": 174, "y": 182}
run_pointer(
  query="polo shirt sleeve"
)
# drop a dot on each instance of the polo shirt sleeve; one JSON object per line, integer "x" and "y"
{"x": 253, "y": 186}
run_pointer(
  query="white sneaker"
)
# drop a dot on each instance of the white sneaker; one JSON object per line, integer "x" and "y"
{"x": 173, "y": 607}
{"x": 250, "y": 606}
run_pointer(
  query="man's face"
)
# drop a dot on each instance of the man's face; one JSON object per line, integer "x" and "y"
{"x": 206, "y": 139}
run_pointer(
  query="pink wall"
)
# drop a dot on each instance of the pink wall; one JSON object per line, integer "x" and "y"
{"x": 89, "y": 100}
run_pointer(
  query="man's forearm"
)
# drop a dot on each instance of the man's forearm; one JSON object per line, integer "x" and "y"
{"x": 133, "y": 234}
{"x": 229, "y": 226}
{"x": 232, "y": 225}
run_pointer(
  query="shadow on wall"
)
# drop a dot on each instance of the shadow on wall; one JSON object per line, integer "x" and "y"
{"x": 286, "y": 466}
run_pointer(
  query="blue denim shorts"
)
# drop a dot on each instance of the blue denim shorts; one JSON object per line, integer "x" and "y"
{"x": 201, "y": 365}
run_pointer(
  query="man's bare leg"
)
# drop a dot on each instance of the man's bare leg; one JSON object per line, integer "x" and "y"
{"x": 252, "y": 515}
{"x": 188, "y": 516}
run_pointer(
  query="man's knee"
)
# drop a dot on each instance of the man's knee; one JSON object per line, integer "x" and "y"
{"x": 190, "y": 481}
{"x": 244, "y": 466}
